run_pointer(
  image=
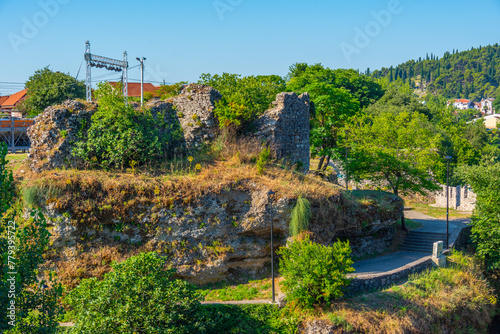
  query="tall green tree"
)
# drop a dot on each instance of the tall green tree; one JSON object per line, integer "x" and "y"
{"x": 333, "y": 107}
{"x": 46, "y": 88}
{"x": 485, "y": 182}
{"x": 393, "y": 150}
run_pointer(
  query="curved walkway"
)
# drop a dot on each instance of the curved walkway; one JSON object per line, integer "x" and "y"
{"x": 399, "y": 259}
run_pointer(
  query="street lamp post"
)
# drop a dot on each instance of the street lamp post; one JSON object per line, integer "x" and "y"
{"x": 141, "y": 60}
{"x": 346, "y": 170}
{"x": 270, "y": 196}
{"x": 447, "y": 158}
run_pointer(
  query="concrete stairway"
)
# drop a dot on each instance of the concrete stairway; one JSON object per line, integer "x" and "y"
{"x": 422, "y": 242}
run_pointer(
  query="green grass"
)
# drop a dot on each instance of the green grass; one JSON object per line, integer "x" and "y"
{"x": 437, "y": 212}
{"x": 16, "y": 157}
{"x": 251, "y": 319}
{"x": 256, "y": 289}
{"x": 15, "y": 161}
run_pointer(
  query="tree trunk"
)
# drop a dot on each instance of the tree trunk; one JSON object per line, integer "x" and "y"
{"x": 326, "y": 163}
{"x": 320, "y": 164}
{"x": 403, "y": 222}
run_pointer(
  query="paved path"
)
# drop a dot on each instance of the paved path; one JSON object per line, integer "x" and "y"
{"x": 385, "y": 263}
{"x": 396, "y": 260}
{"x": 240, "y": 302}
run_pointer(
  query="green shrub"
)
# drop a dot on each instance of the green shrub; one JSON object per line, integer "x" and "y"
{"x": 301, "y": 215}
{"x": 138, "y": 296}
{"x": 314, "y": 273}
{"x": 243, "y": 99}
{"x": 119, "y": 134}
{"x": 263, "y": 159}
{"x": 63, "y": 133}
{"x": 36, "y": 300}
{"x": 6, "y": 181}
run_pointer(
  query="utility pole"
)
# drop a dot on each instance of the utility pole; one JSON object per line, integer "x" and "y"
{"x": 447, "y": 158}
{"x": 141, "y": 60}
{"x": 270, "y": 196}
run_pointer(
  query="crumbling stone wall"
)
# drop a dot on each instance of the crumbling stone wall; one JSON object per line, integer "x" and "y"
{"x": 460, "y": 198}
{"x": 53, "y": 134}
{"x": 193, "y": 109}
{"x": 285, "y": 128}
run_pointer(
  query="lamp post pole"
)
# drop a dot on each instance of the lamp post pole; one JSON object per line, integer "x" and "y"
{"x": 270, "y": 196}
{"x": 346, "y": 170}
{"x": 141, "y": 60}
{"x": 448, "y": 158}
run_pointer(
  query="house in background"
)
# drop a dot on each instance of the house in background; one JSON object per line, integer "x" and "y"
{"x": 462, "y": 104}
{"x": 486, "y": 106}
{"x": 134, "y": 88}
{"x": 8, "y": 104}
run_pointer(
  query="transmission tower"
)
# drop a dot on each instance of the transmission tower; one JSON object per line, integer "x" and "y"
{"x": 107, "y": 63}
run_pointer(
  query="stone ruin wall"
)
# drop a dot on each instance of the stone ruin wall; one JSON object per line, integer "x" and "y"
{"x": 54, "y": 132}
{"x": 284, "y": 128}
{"x": 460, "y": 198}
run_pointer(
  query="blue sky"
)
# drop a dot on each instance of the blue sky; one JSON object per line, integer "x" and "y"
{"x": 183, "y": 39}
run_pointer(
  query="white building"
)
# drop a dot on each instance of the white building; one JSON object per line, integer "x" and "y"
{"x": 486, "y": 106}
{"x": 462, "y": 104}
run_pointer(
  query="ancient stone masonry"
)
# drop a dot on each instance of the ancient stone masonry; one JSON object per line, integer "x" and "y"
{"x": 193, "y": 109}
{"x": 285, "y": 128}
{"x": 53, "y": 134}
{"x": 460, "y": 198}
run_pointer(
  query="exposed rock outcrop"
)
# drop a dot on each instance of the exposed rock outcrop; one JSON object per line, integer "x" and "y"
{"x": 285, "y": 128}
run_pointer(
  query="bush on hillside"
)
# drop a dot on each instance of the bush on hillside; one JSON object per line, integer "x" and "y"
{"x": 6, "y": 181}
{"x": 300, "y": 217}
{"x": 36, "y": 300}
{"x": 314, "y": 273}
{"x": 243, "y": 99}
{"x": 120, "y": 137}
{"x": 138, "y": 296}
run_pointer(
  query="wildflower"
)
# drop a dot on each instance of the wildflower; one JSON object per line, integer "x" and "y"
{"x": 157, "y": 191}
{"x": 68, "y": 181}
{"x": 190, "y": 158}
{"x": 198, "y": 166}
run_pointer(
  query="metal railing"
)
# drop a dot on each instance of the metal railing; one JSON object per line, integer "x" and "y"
{"x": 14, "y": 132}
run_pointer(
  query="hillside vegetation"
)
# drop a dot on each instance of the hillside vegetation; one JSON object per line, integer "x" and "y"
{"x": 471, "y": 74}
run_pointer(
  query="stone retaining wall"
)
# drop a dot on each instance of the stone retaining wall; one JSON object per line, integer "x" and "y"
{"x": 460, "y": 198}
{"x": 368, "y": 282}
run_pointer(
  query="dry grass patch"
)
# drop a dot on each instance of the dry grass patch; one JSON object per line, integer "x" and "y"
{"x": 455, "y": 299}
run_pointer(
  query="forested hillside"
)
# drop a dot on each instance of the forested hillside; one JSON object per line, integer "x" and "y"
{"x": 472, "y": 74}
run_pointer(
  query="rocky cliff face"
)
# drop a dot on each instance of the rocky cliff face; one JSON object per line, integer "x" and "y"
{"x": 207, "y": 233}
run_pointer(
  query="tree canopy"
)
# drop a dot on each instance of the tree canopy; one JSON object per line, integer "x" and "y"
{"x": 46, "y": 88}
{"x": 485, "y": 182}
{"x": 395, "y": 150}
{"x": 362, "y": 87}
{"x": 471, "y": 74}
{"x": 243, "y": 98}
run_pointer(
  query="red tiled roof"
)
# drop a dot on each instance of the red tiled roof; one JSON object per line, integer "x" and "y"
{"x": 134, "y": 88}
{"x": 3, "y": 99}
{"x": 12, "y": 100}
{"x": 462, "y": 100}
